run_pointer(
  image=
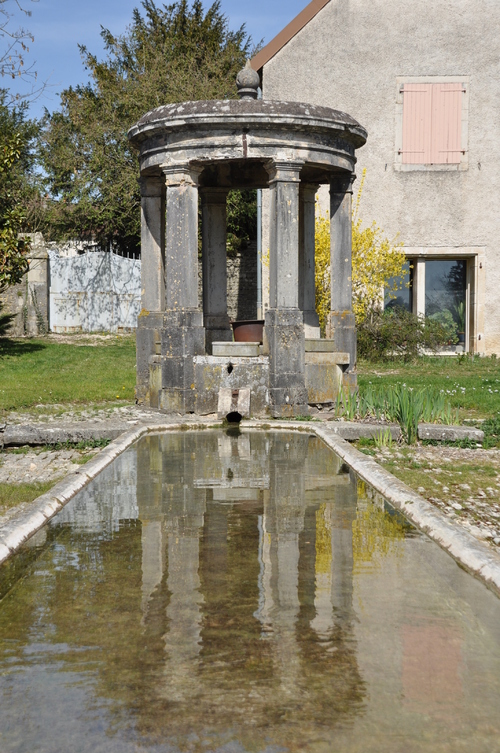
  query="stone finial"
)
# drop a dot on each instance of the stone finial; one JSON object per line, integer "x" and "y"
{"x": 248, "y": 82}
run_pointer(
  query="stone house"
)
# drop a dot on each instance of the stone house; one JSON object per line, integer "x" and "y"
{"x": 422, "y": 78}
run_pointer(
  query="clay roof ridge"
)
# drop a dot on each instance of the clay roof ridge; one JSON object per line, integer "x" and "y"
{"x": 286, "y": 34}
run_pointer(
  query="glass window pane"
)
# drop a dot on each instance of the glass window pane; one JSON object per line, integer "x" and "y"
{"x": 445, "y": 293}
{"x": 398, "y": 291}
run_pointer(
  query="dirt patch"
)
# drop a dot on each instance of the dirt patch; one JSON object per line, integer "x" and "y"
{"x": 88, "y": 338}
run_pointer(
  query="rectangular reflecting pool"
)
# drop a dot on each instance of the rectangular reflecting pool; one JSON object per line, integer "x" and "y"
{"x": 242, "y": 593}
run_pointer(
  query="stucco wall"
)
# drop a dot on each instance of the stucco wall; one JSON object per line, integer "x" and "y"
{"x": 350, "y": 57}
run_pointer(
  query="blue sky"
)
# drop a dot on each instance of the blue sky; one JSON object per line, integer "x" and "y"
{"x": 59, "y": 26}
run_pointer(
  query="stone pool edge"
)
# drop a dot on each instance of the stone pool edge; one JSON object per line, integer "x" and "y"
{"x": 475, "y": 556}
{"x": 26, "y": 522}
{"x": 470, "y": 553}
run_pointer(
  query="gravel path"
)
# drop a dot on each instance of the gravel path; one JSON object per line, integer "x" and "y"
{"x": 40, "y": 466}
{"x": 462, "y": 483}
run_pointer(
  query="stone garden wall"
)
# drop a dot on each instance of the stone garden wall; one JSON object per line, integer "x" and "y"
{"x": 98, "y": 291}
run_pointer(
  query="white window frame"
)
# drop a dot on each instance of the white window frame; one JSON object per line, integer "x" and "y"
{"x": 475, "y": 256}
{"x": 398, "y": 156}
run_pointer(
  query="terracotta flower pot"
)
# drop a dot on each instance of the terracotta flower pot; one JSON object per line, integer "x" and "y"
{"x": 248, "y": 331}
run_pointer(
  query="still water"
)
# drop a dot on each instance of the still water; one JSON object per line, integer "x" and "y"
{"x": 243, "y": 593}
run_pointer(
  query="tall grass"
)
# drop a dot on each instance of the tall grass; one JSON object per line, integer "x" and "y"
{"x": 398, "y": 403}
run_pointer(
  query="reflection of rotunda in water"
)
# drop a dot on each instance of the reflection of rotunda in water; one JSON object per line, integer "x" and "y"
{"x": 253, "y": 543}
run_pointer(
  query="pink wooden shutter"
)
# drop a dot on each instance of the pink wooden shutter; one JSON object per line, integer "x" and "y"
{"x": 432, "y": 124}
{"x": 446, "y": 141}
{"x": 417, "y": 113}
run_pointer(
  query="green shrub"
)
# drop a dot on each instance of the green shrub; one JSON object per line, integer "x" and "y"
{"x": 398, "y": 334}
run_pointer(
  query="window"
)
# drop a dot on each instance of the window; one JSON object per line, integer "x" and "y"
{"x": 401, "y": 289}
{"x": 431, "y": 122}
{"x": 438, "y": 284}
{"x": 445, "y": 295}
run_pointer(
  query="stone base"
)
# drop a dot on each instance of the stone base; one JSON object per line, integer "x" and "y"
{"x": 154, "y": 381}
{"x": 212, "y": 374}
{"x": 341, "y": 328}
{"x": 323, "y": 382}
{"x": 285, "y": 336}
{"x": 288, "y": 402}
{"x": 177, "y": 401}
{"x": 149, "y": 326}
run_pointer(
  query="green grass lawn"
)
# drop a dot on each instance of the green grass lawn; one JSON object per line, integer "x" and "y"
{"x": 12, "y": 495}
{"x": 470, "y": 384}
{"x": 39, "y": 371}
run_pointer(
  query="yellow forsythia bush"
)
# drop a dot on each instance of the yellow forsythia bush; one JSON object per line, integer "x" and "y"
{"x": 375, "y": 261}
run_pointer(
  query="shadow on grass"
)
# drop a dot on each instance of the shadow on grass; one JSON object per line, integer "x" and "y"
{"x": 15, "y": 348}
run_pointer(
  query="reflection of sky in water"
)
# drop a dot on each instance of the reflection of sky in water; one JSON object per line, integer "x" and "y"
{"x": 217, "y": 593}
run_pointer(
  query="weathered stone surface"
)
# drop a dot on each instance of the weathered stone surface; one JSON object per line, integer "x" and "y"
{"x": 449, "y": 433}
{"x": 234, "y": 401}
{"x": 235, "y": 350}
{"x": 352, "y": 431}
{"x": 307, "y": 265}
{"x": 149, "y": 326}
{"x": 341, "y": 328}
{"x": 214, "y": 373}
{"x": 323, "y": 380}
{"x": 288, "y": 402}
{"x": 152, "y": 243}
{"x": 155, "y": 372}
{"x": 37, "y": 434}
{"x": 177, "y": 401}
{"x": 326, "y": 346}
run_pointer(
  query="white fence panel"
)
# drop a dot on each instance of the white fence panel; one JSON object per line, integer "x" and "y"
{"x": 94, "y": 292}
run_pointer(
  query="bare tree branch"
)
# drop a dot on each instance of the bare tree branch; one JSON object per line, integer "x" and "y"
{"x": 14, "y": 46}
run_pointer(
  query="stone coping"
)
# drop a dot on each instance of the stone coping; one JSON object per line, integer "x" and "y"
{"x": 263, "y": 113}
{"x": 17, "y": 435}
{"x": 475, "y": 556}
{"x": 242, "y": 349}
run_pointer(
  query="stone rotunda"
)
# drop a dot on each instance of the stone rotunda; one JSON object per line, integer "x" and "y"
{"x": 186, "y": 360}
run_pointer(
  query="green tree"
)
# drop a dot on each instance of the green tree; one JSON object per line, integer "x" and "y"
{"x": 16, "y": 189}
{"x": 175, "y": 53}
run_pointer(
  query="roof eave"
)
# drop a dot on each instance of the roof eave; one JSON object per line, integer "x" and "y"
{"x": 291, "y": 30}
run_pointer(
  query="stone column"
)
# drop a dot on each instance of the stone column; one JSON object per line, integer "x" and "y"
{"x": 213, "y": 227}
{"x": 342, "y": 327}
{"x": 284, "y": 326}
{"x": 152, "y": 276}
{"x": 183, "y": 335}
{"x": 307, "y": 253}
{"x": 152, "y": 243}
